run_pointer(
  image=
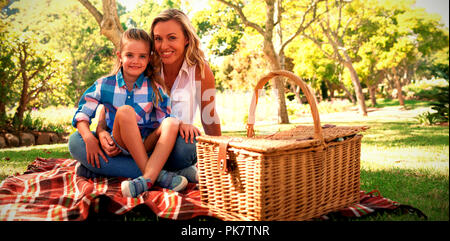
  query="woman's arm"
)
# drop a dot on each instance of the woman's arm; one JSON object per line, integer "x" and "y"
{"x": 209, "y": 117}
{"x": 92, "y": 147}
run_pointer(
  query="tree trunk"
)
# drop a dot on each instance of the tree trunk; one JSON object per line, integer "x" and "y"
{"x": 372, "y": 93}
{"x": 398, "y": 86}
{"x": 349, "y": 95}
{"x": 109, "y": 23}
{"x": 357, "y": 85}
{"x": 330, "y": 88}
{"x": 18, "y": 116}
{"x": 295, "y": 89}
{"x": 277, "y": 82}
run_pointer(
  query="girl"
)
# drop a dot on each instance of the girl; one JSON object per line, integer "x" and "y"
{"x": 137, "y": 117}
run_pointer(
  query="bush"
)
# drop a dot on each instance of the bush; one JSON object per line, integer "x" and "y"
{"x": 439, "y": 102}
{"x": 428, "y": 118}
{"x": 424, "y": 89}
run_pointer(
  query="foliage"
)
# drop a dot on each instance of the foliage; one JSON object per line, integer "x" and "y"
{"x": 144, "y": 13}
{"x": 427, "y": 118}
{"x": 440, "y": 102}
{"x": 234, "y": 75}
{"x": 424, "y": 89}
{"x": 223, "y": 26}
{"x": 31, "y": 72}
{"x": 31, "y": 123}
{"x": 88, "y": 54}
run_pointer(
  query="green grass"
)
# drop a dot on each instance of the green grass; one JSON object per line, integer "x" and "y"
{"x": 16, "y": 160}
{"x": 409, "y": 104}
{"x": 405, "y": 161}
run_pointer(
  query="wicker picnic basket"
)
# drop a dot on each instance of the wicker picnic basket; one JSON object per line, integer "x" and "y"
{"x": 297, "y": 174}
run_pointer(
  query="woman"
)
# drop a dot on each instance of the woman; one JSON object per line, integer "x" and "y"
{"x": 191, "y": 83}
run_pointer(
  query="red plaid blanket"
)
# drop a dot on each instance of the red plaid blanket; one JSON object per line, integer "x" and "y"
{"x": 50, "y": 190}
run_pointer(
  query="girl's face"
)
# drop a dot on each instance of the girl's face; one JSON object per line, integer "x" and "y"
{"x": 170, "y": 42}
{"x": 134, "y": 56}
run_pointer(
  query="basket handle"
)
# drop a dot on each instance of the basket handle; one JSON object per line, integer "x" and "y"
{"x": 306, "y": 90}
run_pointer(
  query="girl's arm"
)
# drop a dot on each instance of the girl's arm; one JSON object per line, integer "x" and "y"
{"x": 92, "y": 147}
{"x": 210, "y": 118}
{"x": 86, "y": 111}
{"x": 104, "y": 137}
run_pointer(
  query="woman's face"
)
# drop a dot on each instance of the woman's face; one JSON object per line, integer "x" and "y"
{"x": 170, "y": 42}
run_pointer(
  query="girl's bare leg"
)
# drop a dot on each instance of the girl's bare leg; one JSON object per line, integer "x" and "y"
{"x": 126, "y": 133}
{"x": 161, "y": 141}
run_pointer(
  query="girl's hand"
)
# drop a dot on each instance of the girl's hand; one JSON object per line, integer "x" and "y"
{"x": 188, "y": 131}
{"x": 93, "y": 150}
{"x": 107, "y": 144}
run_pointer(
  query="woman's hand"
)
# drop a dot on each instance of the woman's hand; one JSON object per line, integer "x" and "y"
{"x": 188, "y": 131}
{"x": 93, "y": 150}
{"x": 107, "y": 144}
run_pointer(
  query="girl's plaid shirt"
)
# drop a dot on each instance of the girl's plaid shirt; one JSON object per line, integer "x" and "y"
{"x": 112, "y": 92}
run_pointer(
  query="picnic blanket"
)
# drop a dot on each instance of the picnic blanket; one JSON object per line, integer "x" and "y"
{"x": 50, "y": 190}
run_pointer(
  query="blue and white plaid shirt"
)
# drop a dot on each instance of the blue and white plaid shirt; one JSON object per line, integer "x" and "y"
{"x": 112, "y": 92}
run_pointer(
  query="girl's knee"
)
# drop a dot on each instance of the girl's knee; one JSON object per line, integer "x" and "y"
{"x": 125, "y": 111}
{"x": 170, "y": 124}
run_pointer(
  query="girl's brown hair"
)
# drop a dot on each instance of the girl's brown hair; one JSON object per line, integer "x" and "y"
{"x": 153, "y": 74}
{"x": 193, "y": 55}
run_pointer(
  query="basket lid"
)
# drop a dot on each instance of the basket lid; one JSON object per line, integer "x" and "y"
{"x": 298, "y": 137}
{"x": 330, "y": 132}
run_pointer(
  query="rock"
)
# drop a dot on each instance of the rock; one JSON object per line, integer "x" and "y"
{"x": 12, "y": 140}
{"x": 3, "y": 142}
{"x": 54, "y": 138}
{"x": 43, "y": 138}
{"x": 26, "y": 139}
{"x": 64, "y": 137}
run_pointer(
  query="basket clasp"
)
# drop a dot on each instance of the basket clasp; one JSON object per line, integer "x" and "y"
{"x": 222, "y": 157}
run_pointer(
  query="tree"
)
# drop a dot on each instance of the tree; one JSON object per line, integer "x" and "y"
{"x": 7, "y": 77}
{"x": 237, "y": 70}
{"x": 403, "y": 41}
{"x": 68, "y": 31}
{"x": 144, "y": 13}
{"x": 36, "y": 70}
{"x": 337, "y": 34}
{"x": 88, "y": 54}
{"x": 109, "y": 22}
{"x": 277, "y": 31}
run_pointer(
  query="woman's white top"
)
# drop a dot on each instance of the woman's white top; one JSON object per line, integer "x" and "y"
{"x": 185, "y": 94}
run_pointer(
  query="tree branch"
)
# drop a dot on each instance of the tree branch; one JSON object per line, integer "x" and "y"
{"x": 110, "y": 12}
{"x": 319, "y": 44}
{"x": 301, "y": 28}
{"x": 91, "y": 8}
{"x": 40, "y": 69}
{"x": 243, "y": 17}
{"x": 35, "y": 92}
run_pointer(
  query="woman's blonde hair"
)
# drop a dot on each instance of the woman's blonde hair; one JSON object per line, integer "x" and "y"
{"x": 153, "y": 74}
{"x": 193, "y": 54}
